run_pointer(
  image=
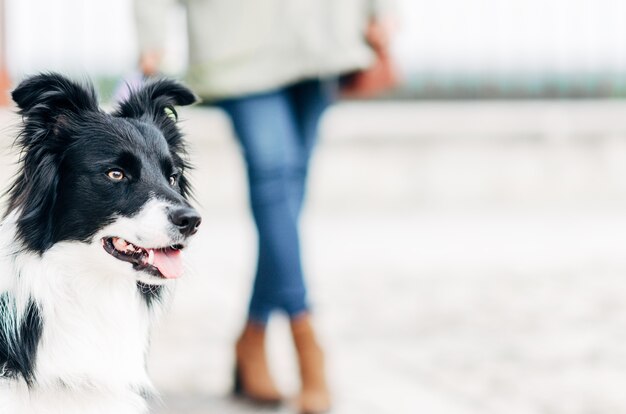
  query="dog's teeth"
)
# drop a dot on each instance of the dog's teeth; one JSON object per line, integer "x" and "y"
{"x": 119, "y": 244}
{"x": 150, "y": 257}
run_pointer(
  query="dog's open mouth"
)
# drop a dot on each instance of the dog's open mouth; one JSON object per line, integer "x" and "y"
{"x": 163, "y": 262}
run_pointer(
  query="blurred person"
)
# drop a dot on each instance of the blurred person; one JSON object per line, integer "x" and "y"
{"x": 271, "y": 65}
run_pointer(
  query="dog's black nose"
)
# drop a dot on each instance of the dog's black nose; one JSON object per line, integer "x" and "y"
{"x": 186, "y": 219}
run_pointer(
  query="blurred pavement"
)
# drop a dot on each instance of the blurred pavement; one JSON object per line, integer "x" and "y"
{"x": 463, "y": 258}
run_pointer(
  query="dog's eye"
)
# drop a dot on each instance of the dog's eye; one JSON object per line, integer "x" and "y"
{"x": 115, "y": 175}
{"x": 173, "y": 179}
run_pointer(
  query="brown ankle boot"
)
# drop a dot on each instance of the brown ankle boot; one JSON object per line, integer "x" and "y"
{"x": 314, "y": 397}
{"x": 252, "y": 374}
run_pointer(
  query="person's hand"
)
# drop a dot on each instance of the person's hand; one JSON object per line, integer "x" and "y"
{"x": 150, "y": 62}
{"x": 379, "y": 32}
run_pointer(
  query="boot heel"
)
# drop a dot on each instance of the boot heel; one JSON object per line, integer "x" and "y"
{"x": 237, "y": 384}
{"x": 252, "y": 378}
{"x": 240, "y": 392}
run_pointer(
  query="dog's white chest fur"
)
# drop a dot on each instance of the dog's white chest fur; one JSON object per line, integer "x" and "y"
{"x": 91, "y": 353}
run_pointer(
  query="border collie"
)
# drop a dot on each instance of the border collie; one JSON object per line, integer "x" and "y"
{"x": 90, "y": 243}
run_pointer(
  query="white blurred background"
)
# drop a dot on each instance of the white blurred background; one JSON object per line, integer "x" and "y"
{"x": 510, "y": 36}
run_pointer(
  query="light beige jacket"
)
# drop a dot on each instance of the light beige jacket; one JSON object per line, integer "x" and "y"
{"x": 237, "y": 47}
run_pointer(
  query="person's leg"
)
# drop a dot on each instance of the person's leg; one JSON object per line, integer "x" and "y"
{"x": 264, "y": 125}
{"x": 309, "y": 99}
{"x": 277, "y": 132}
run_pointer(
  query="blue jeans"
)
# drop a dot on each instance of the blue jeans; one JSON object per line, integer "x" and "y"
{"x": 277, "y": 131}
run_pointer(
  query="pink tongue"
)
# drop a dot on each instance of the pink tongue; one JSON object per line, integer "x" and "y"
{"x": 169, "y": 263}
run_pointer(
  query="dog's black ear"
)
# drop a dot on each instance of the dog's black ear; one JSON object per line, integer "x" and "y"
{"x": 33, "y": 197}
{"x": 43, "y": 98}
{"x": 47, "y": 102}
{"x": 156, "y": 100}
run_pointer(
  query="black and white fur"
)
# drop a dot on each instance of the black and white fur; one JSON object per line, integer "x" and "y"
{"x": 74, "y": 320}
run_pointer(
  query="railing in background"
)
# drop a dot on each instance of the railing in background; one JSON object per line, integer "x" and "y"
{"x": 463, "y": 86}
{"x": 512, "y": 48}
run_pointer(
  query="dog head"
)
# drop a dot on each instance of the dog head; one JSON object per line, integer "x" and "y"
{"x": 112, "y": 182}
